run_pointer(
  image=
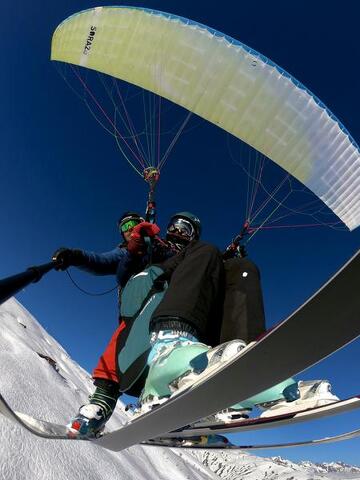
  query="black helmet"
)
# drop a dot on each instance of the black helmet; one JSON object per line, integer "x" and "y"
{"x": 175, "y": 226}
{"x": 127, "y": 216}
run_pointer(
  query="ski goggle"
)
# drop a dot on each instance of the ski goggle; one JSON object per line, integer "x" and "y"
{"x": 182, "y": 228}
{"x": 125, "y": 227}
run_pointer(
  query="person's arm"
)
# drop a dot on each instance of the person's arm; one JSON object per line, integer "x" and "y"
{"x": 104, "y": 263}
{"x": 95, "y": 263}
{"x": 118, "y": 261}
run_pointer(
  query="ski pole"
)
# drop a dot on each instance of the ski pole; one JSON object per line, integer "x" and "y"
{"x": 11, "y": 285}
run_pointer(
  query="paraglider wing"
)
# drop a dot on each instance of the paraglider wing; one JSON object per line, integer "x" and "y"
{"x": 226, "y": 83}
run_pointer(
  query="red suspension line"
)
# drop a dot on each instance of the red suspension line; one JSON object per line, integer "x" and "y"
{"x": 131, "y": 124}
{"x": 107, "y": 117}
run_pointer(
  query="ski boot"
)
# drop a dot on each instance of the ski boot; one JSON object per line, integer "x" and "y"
{"x": 312, "y": 394}
{"x": 206, "y": 441}
{"x": 92, "y": 417}
{"x": 208, "y": 362}
{"x": 178, "y": 360}
{"x": 233, "y": 414}
{"x": 89, "y": 422}
{"x": 285, "y": 392}
{"x": 171, "y": 356}
{"x": 203, "y": 441}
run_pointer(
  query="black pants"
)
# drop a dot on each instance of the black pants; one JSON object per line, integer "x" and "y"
{"x": 220, "y": 301}
{"x": 243, "y": 312}
{"x": 196, "y": 291}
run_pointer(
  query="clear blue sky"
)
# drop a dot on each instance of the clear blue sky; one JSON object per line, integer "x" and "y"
{"x": 64, "y": 183}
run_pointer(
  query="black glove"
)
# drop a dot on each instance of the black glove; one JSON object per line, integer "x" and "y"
{"x": 65, "y": 257}
{"x": 233, "y": 251}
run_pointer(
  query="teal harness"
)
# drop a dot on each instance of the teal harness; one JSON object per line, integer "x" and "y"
{"x": 139, "y": 299}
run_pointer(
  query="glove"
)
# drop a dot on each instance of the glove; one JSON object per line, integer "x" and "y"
{"x": 145, "y": 229}
{"x": 233, "y": 251}
{"x": 65, "y": 257}
{"x": 136, "y": 244}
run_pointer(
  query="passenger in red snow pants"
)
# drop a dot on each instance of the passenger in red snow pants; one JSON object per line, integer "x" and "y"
{"x": 119, "y": 262}
{"x": 123, "y": 263}
{"x": 107, "y": 364}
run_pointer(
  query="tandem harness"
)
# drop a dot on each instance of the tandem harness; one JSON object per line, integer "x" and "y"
{"x": 139, "y": 299}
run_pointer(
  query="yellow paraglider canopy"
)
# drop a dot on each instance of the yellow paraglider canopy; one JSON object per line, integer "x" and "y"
{"x": 228, "y": 84}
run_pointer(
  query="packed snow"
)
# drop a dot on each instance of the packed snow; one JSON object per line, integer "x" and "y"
{"x": 53, "y": 391}
{"x": 38, "y": 377}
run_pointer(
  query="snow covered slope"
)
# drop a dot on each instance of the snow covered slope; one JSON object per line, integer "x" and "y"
{"x": 38, "y": 377}
{"x": 52, "y": 387}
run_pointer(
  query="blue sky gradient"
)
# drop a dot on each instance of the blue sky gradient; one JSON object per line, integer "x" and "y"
{"x": 63, "y": 181}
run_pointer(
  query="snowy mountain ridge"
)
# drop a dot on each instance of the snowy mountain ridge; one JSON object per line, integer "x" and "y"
{"x": 38, "y": 377}
{"x": 230, "y": 465}
{"x": 332, "y": 467}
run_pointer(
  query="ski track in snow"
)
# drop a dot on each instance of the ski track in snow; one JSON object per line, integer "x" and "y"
{"x": 33, "y": 385}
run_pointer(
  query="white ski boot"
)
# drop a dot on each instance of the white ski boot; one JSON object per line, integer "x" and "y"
{"x": 313, "y": 393}
{"x": 89, "y": 422}
{"x": 229, "y": 415}
{"x": 91, "y": 418}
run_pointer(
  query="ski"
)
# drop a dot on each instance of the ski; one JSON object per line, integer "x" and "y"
{"x": 259, "y": 423}
{"x": 37, "y": 427}
{"x": 50, "y": 430}
{"x": 200, "y": 443}
{"x": 331, "y": 314}
{"x": 272, "y": 359}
